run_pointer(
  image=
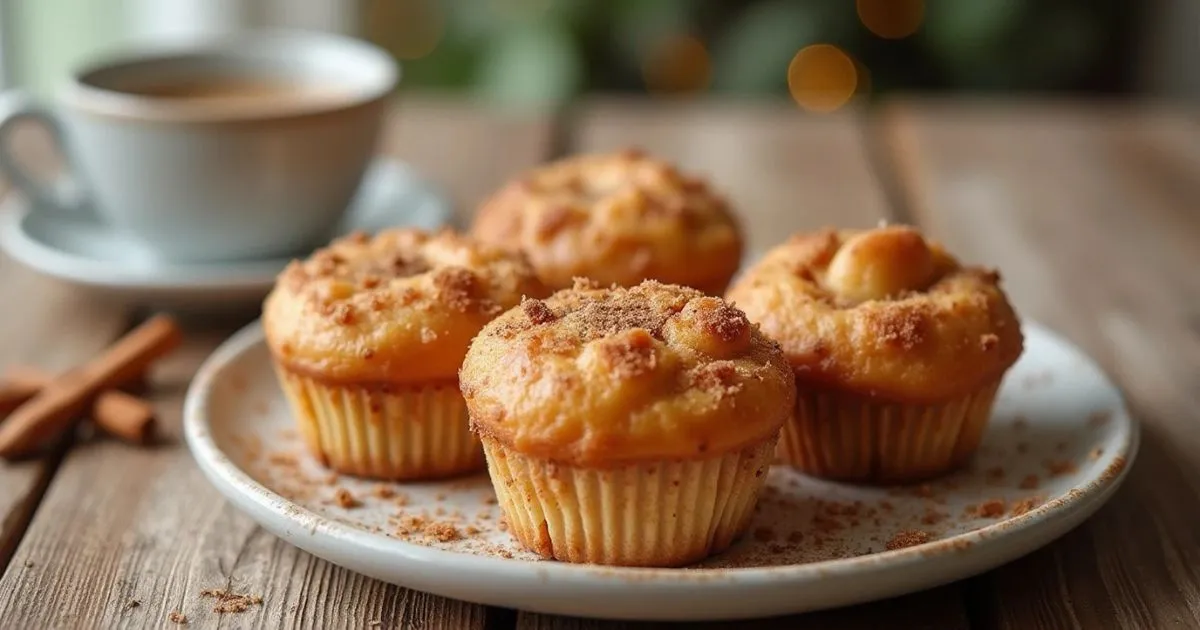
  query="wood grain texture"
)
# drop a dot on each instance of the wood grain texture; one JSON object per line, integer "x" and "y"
{"x": 126, "y": 536}
{"x": 144, "y": 529}
{"x": 51, "y": 326}
{"x": 784, "y": 171}
{"x": 1090, "y": 213}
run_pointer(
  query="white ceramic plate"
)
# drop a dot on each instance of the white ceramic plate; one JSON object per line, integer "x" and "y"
{"x": 85, "y": 252}
{"x": 1059, "y": 445}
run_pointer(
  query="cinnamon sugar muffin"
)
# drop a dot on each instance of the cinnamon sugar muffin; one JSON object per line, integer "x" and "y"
{"x": 627, "y": 426}
{"x": 898, "y": 350}
{"x": 616, "y": 218}
{"x": 367, "y": 337}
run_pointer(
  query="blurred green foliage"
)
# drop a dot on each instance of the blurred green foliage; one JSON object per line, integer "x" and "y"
{"x": 521, "y": 51}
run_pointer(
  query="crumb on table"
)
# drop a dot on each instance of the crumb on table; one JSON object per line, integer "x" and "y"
{"x": 177, "y": 617}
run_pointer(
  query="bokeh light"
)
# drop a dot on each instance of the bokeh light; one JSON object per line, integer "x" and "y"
{"x": 822, "y": 78}
{"x": 891, "y": 19}
{"x": 413, "y": 27}
{"x": 677, "y": 64}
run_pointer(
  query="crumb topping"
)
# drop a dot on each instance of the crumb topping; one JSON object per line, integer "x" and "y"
{"x": 681, "y": 359}
{"x": 537, "y": 312}
{"x": 883, "y": 312}
{"x": 362, "y": 305}
{"x": 617, "y": 217}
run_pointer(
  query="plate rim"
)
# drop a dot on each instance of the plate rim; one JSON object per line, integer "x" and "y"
{"x": 1033, "y": 529}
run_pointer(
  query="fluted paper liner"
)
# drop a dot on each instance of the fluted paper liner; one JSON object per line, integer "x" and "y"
{"x": 397, "y": 433}
{"x": 659, "y": 514}
{"x": 848, "y": 437}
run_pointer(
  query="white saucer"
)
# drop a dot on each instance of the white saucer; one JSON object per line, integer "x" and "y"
{"x": 83, "y": 251}
{"x": 1055, "y": 408}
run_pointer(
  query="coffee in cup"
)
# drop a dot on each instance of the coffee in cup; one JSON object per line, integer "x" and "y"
{"x": 246, "y": 147}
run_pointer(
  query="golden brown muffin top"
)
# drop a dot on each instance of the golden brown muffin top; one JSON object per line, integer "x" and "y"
{"x": 603, "y": 377}
{"x": 882, "y": 312}
{"x": 399, "y": 307}
{"x": 616, "y": 218}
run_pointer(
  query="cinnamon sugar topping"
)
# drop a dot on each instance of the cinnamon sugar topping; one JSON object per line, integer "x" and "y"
{"x": 907, "y": 538}
{"x": 537, "y": 311}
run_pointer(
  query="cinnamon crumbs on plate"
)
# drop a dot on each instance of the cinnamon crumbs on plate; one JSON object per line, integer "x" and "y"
{"x": 1030, "y": 482}
{"x": 1060, "y": 467}
{"x": 907, "y": 538}
{"x": 345, "y": 499}
{"x": 177, "y": 617}
{"x": 1024, "y": 505}
{"x": 992, "y": 508}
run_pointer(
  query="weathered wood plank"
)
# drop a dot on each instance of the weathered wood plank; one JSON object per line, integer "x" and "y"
{"x": 1090, "y": 214}
{"x": 120, "y": 525}
{"x": 49, "y": 325}
{"x": 784, "y": 171}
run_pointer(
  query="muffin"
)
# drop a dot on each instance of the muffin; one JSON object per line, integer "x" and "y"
{"x": 898, "y": 351}
{"x": 618, "y": 219}
{"x": 627, "y": 427}
{"x": 367, "y": 336}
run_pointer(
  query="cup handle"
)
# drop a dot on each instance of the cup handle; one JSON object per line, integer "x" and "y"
{"x": 63, "y": 194}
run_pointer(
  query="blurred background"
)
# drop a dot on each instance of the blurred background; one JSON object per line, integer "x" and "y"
{"x": 530, "y": 52}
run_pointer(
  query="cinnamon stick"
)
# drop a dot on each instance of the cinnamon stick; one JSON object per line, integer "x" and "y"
{"x": 55, "y": 408}
{"x": 119, "y": 414}
{"x": 14, "y": 393}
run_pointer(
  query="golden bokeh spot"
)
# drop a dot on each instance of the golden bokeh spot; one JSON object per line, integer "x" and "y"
{"x": 677, "y": 64}
{"x": 822, "y": 78}
{"x": 891, "y": 19}
{"x": 409, "y": 29}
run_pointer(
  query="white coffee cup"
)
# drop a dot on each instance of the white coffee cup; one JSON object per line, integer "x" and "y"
{"x": 245, "y": 147}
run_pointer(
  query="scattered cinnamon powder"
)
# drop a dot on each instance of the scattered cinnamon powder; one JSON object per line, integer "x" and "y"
{"x": 1096, "y": 453}
{"x": 994, "y": 474}
{"x": 1024, "y": 505}
{"x": 1030, "y": 482}
{"x": 1020, "y": 423}
{"x": 383, "y": 491}
{"x": 443, "y": 532}
{"x": 1060, "y": 467}
{"x": 177, "y": 617}
{"x": 907, "y": 538}
{"x": 345, "y": 499}
{"x": 924, "y": 491}
{"x": 490, "y": 499}
{"x": 401, "y": 500}
{"x": 992, "y": 508}
{"x": 932, "y": 517}
{"x": 441, "y": 496}
{"x": 410, "y": 524}
{"x": 229, "y": 602}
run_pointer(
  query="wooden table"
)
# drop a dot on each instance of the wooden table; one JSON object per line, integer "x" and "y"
{"x": 1089, "y": 209}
